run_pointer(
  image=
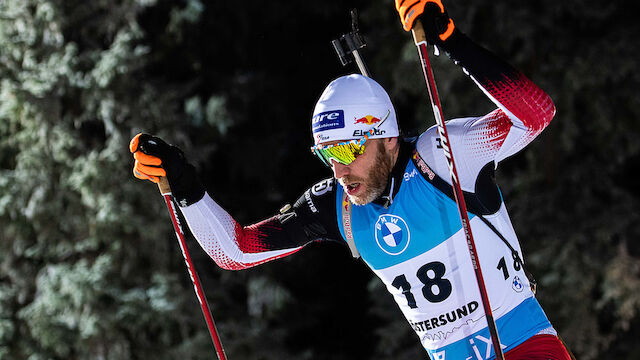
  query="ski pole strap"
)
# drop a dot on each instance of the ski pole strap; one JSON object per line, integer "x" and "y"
{"x": 347, "y": 226}
{"x": 516, "y": 256}
{"x": 474, "y": 205}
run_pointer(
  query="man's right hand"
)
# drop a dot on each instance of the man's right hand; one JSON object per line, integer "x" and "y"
{"x": 154, "y": 158}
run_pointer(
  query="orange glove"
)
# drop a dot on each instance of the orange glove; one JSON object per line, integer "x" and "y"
{"x": 155, "y": 158}
{"x": 146, "y": 167}
{"x": 438, "y": 27}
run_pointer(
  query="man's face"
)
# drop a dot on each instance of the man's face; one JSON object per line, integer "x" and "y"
{"x": 366, "y": 177}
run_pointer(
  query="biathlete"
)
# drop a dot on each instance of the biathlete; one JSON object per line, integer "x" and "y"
{"x": 390, "y": 200}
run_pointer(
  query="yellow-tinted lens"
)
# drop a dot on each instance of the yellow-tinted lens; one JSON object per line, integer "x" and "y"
{"x": 342, "y": 153}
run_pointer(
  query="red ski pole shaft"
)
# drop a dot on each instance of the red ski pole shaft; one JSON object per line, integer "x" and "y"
{"x": 165, "y": 190}
{"x": 421, "y": 43}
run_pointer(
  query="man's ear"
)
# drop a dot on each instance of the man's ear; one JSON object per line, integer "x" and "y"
{"x": 390, "y": 143}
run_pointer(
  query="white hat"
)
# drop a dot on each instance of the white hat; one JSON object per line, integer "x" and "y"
{"x": 349, "y": 107}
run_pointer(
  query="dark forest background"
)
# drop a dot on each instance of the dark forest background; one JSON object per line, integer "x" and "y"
{"x": 89, "y": 265}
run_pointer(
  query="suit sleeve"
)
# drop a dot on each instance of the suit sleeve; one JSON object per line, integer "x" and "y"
{"x": 523, "y": 111}
{"x": 235, "y": 247}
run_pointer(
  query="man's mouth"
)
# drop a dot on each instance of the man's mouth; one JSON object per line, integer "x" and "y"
{"x": 353, "y": 188}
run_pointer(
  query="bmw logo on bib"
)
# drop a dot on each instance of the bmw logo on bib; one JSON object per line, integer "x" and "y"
{"x": 392, "y": 234}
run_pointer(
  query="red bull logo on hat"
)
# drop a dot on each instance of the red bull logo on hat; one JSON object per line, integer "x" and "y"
{"x": 368, "y": 120}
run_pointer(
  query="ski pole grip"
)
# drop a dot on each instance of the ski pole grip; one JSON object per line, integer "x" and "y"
{"x": 418, "y": 33}
{"x": 163, "y": 185}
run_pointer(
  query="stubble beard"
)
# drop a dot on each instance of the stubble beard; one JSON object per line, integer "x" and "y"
{"x": 376, "y": 179}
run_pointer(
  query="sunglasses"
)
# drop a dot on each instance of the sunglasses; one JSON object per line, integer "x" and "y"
{"x": 345, "y": 152}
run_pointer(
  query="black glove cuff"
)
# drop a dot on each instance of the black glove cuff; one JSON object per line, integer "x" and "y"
{"x": 456, "y": 45}
{"x": 435, "y": 23}
{"x": 186, "y": 188}
{"x": 452, "y": 41}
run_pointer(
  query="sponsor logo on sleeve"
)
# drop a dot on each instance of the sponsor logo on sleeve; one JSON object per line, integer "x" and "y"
{"x": 307, "y": 197}
{"x": 322, "y": 187}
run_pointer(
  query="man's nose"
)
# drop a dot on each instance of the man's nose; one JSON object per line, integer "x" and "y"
{"x": 339, "y": 170}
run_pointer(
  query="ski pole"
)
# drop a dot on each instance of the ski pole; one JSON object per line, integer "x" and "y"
{"x": 165, "y": 190}
{"x": 421, "y": 42}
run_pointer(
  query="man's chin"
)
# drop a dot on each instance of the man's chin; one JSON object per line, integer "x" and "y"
{"x": 366, "y": 196}
{"x": 359, "y": 201}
